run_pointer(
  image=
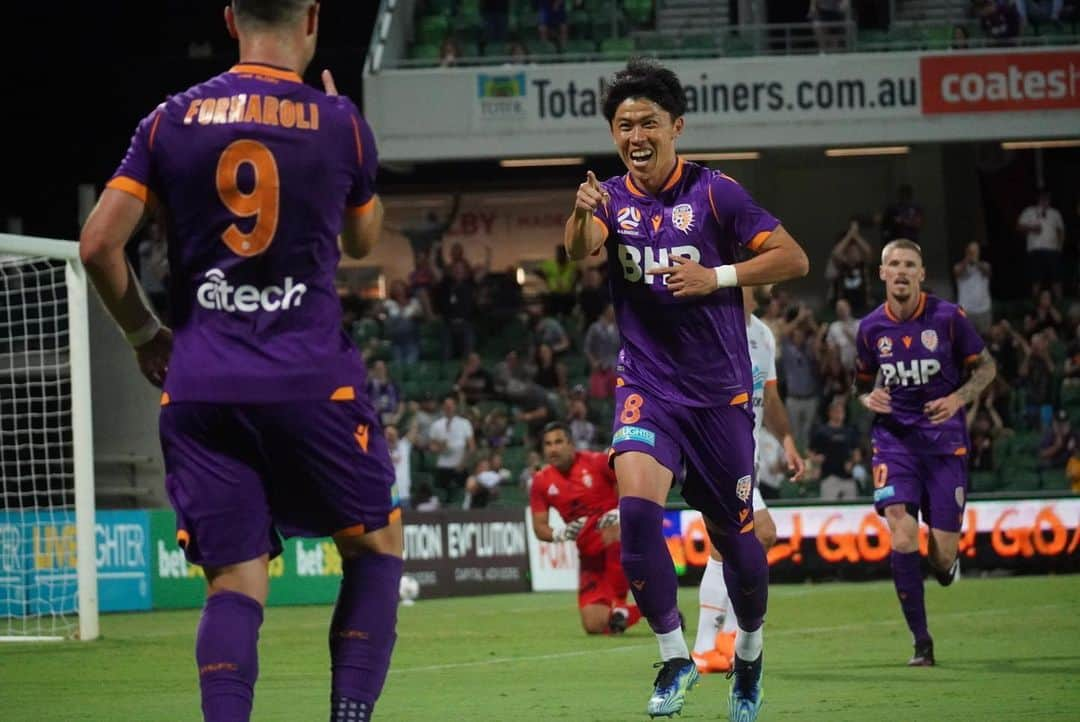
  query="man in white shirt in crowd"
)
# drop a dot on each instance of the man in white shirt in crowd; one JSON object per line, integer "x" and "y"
{"x": 841, "y": 333}
{"x": 973, "y": 288}
{"x": 1045, "y": 231}
{"x": 401, "y": 457}
{"x": 451, "y": 437}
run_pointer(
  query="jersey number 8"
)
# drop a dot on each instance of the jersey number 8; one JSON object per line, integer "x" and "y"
{"x": 261, "y": 201}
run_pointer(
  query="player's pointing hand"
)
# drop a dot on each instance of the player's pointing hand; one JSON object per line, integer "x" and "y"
{"x": 328, "y": 83}
{"x": 590, "y": 195}
{"x": 686, "y": 277}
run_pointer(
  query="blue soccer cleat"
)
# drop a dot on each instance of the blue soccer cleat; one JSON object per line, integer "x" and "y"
{"x": 747, "y": 696}
{"x": 676, "y": 677}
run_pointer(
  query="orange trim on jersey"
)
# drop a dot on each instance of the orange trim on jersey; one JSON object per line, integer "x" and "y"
{"x": 356, "y": 136}
{"x": 631, "y": 187}
{"x": 675, "y": 175}
{"x": 619, "y": 381}
{"x": 153, "y": 129}
{"x": 771, "y": 382}
{"x": 362, "y": 208}
{"x": 713, "y": 206}
{"x": 748, "y": 527}
{"x": 972, "y": 358}
{"x": 343, "y": 393}
{"x": 739, "y": 399}
{"x": 266, "y": 71}
{"x": 759, "y": 239}
{"x": 130, "y": 186}
{"x": 165, "y": 398}
{"x": 962, "y": 451}
{"x": 182, "y": 537}
{"x": 603, "y": 226}
{"x": 918, "y": 310}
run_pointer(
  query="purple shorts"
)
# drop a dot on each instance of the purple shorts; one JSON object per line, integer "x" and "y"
{"x": 936, "y": 485}
{"x": 240, "y": 476}
{"x": 709, "y": 449}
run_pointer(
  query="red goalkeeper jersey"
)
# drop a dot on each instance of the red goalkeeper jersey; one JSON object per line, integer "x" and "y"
{"x": 587, "y": 490}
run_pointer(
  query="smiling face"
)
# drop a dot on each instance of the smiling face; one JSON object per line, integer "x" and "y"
{"x": 903, "y": 273}
{"x": 644, "y": 135}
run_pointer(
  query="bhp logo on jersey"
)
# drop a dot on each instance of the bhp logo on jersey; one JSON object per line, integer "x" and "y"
{"x": 634, "y": 267}
{"x": 217, "y": 294}
{"x": 913, "y": 373}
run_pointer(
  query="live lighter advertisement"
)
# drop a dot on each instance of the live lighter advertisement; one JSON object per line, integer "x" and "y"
{"x": 831, "y": 99}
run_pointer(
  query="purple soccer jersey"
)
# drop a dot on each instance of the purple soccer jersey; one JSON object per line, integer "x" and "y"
{"x": 254, "y": 171}
{"x": 919, "y": 360}
{"x": 692, "y": 351}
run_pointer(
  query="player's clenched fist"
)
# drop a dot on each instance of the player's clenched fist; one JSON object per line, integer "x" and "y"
{"x": 590, "y": 195}
{"x": 879, "y": 401}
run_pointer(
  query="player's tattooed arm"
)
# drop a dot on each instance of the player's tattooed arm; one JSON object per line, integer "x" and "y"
{"x": 983, "y": 371}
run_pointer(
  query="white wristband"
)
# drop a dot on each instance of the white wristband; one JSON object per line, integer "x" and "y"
{"x": 145, "y": 333}
{"x": 726, "y": 276}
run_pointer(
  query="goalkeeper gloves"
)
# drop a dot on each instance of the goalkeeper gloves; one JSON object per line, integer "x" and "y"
{"x": 608, "y": 518}
{"x": 570, "y": 531}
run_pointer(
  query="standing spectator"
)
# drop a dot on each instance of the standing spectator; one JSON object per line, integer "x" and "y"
{"x": 1037, "y": 371}
{"x": 602, "y": 345}
{"x": 401, "y": 456}
{"x": 552, "y": 17}
{"x": 1058, "y": 443}
{"x": 985, "y": 426}
{"x": 973, "y": 288}
{"x": 401, "y": 323}
{"x": 457, "y": 305}
{"x": 1044, "y": 316}
{"x": 1008, "y": 349}
{"x": 424, "y": 279}
{"x": 841, "y": 334}
{"x": 384, "y": 394}
{"x": 833, "y": 445}
{"x": 850, "y": 261}
{"x": 546, "y": 329}
{"x": 451, "y": 437}
{"x": 424, "y": 415}
{"x": 474, "y": 382}
{"x": 903, "y": 218}
{"x": 550, "y": 373}
{"x": 594, "y": 294}
{"x": 799, "y": 365}
{"x": 428, "y": 232}
{"x": 560, "y": 274}
{"x": 1044, "y": 229}
{"x": 582, "y": 431}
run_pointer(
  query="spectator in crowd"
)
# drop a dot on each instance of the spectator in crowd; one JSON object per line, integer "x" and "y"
{"x": 401, "y": 316}
{"x": 496, "y": 15}
{"x": 546, "y": 329}
{"x": 401, "y": 456}
{"x": 451, "y": 437}
{"x": 841, "y": 334}
{"x": 552, "y": 19}
{"x": 424, "y": 279}
{"x": 1000, "y": 21}
{"x": 1072, "y": 469}
{"x": 1058, "y": 443}
{"x": 849, "y": 264}
{"x": 798, "y": 364}
{"x": 774, "y": 317}
{"x": 498, "y": 300}
{"x": 474, "y": 382}
{"x": 427, "y": 233}
{"x": 593, "y": 295}
{"x": 456, "y": 257}
{"x": 425, "y": 498}
{"x": 772, "y": 464}
{"x": 535, "y": 409}
{"x": 985, "y": 426}
{"x": 903, "y": 218}
{"x": 860, "y": 472}
{"x": 495, "y": 429}
{"x": 836, "y": 379}
{"x": 449, "y": 52}
{"x": 560, "y": 276}
{"x": 832, "y": 446}
{"x": 550, "y": 373}
{"x": 1041, "y": 14}
{"x": 384, "y": 394}
{"x": 960, "y": 38}
{"x": 601, "y": 348}
{"x": 424, "y": 414}
{"x": 826, "y": 16}
{"x": 972, "y": 276}
{"x": 482, "y": 486}
{"x": 1008, "y": 349}
{"x": 1037, "y": 371}
{"x": 517, "y": 52}
{"x": 533, "y": 464}
{"x": 512, "y": 377}
{"x": 1044, "y": 316}
{"x": 582, "y": 431}
{"x": 457, "y": 306}
{"x": 1044, "y": 229}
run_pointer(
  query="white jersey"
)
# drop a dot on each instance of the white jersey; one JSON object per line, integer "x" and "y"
{"x": 762, "y": 345}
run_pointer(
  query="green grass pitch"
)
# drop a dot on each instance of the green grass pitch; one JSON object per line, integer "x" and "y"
{"x": 1007, "y": 648}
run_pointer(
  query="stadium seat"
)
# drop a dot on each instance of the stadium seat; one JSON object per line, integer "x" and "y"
{"x": 640, "y": 12}
{"x": 425, "y": 51}
{"x": 431, "y": 29}
{"x": 736, "y": 46}
{"x": 540, "y": 48}
{"x": 580, "y": 46}
{"x": 617, "y": 48}
{"x": 699, "y": 45}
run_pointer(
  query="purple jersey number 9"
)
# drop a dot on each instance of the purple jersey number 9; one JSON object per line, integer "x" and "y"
{"x": 262, "y": 202}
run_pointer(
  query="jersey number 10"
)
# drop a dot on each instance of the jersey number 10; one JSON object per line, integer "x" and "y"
{"x": 261, "y": 202}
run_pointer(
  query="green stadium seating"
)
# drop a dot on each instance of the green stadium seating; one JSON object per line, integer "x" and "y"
{"x": 538, "y": 47}
{"x": 580, "y": 46}
{"x": 431, "y": 29}
{"x": 425, "y": 51}
{"x": 640, "y": 12}
{"x": 617, "y": 48}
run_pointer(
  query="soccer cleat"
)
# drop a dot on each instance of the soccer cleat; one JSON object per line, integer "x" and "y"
{"x": 924, "y": 654}
{"x": 947, "y": 578}
{"x": 712, "y": 661}
{"x": 725, "y": 644}
{"x": 676, "y": 677}
{"x": 747, "y": 696}
{"x": 619, "y": 620}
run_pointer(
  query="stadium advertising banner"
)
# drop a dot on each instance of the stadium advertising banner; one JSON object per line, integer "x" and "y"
{"x": 451, "y": 553}
{"x": 552, "y": 565}
{"x": 839, "y": 99}
{"x": 38, "y": 561}
{"x": 853, "y": 541}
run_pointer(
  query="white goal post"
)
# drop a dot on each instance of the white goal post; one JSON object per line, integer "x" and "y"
{"x": 48, "y": 572}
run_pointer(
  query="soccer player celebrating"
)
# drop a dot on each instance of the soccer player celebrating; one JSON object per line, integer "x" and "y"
{"x": 912, "y": 351}
{"x": 581, "y": 487}
{"x": 671, "y": 229}
{"x": 264, "y": 427}
{"x": 714, "y": 646}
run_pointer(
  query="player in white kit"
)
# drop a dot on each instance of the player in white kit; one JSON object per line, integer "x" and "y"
{"x": 714, "y": 646}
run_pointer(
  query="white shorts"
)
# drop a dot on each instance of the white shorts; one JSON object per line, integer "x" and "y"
{"x": 758, "y": 501}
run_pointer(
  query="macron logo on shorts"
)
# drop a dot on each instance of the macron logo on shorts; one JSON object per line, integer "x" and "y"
{"x": 634, "y": 433}
{"x": 217, "y": 294}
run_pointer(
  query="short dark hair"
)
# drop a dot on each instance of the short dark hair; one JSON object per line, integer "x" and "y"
{"x": 645, "y": 78}
{"x": 556, "y": 426}
{"x": 269, "y": 12}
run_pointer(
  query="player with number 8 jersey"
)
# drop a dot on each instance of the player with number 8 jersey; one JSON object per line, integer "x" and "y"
{"x": 265, "y": 429}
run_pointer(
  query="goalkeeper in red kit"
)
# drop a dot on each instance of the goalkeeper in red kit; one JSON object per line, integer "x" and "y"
{"x": 581, "y": 487}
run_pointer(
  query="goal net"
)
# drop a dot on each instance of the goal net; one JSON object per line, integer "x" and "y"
{"x": 48, "y": 579}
